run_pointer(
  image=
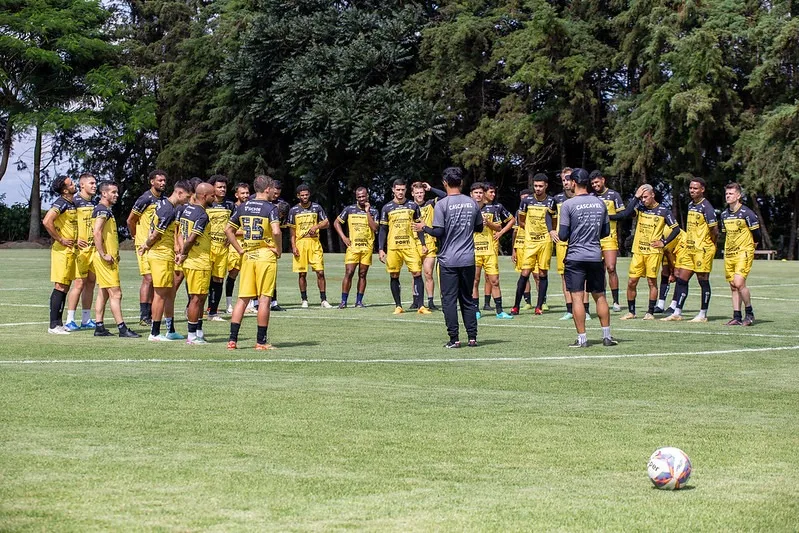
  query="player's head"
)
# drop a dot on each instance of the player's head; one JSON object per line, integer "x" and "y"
{"x": 262, "y": 183}
{"x": 418, "y": 192}
{"x": 489, "y": 191}
{"x": 696, "y": 189}
{"x": 399, "y": 188}
{"x": 204, "y": 194}
{"x": 733, "y": 193}
{"x": 182, "y": 192}
{"x": 567, "y": 182}
{"x": 304, "y": 194}
{"x": 524, "y": 193}
{"x": 242, "y": 191}
{"x": 565, "y": 170}
{"x": 477, "y": 191}
{"x": 193, "y": 182}
{"x": 597, "y": 181}
{"x": 157, "y": 181}
{"x": 109, "y": 192}
{"x": 63, "y": 186}
{"x": 648, "y": 195}
{"x": 219, "y": 183}
{"x": 361, "y": 196}
{"x": 88, "y": 184}
{"x": 452, "y": 177}
{"x": 540, "y": 182}
{"x": 581, "y": 180}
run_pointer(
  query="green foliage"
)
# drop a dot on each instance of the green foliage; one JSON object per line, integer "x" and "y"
{"x": 14, "y": 221}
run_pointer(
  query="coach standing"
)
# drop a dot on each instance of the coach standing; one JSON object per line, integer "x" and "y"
{"x": 456, "y": 218}
{"x": 583, "y": 222}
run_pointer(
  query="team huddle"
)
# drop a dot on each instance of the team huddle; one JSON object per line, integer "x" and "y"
{"x": 197, "y": 236}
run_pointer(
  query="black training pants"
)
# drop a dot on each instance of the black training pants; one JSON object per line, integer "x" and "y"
{"x": 456, "y": 287}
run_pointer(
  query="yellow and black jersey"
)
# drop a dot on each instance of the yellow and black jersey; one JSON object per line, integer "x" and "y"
{"x": 194, "y": 220}
{"x": 738, "y": 227}
{"x": 536, "y": 213}
{"x": 303, "y": 218}
{"x": 255, "y": 218}
{"x": 66, "y": 221}
{"x": 653, "y": 224}
{"x": 164, "y": 222}
{"x": 399, "y": 219}
{"x": 109, "y": 233}
{"x": 84, "y": 209}
{"x": 361, "y": 235}
{"x": 426, "y": 216}
{"x": 283, "y": 209}
{"x": 218, "y": 215}
{"x": 145, "y": 208}
{"x": 701, "y": 218}
{"x": 614, "y": 203}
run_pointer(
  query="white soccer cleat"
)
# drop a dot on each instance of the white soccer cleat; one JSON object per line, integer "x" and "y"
{"x": 699, "y": 318}
{"x": 628, "y": 316}
{"x": 648, "y": 316}
{"x": 326, "y": 305}
{"x": 616, "y": 308}
{"x": 229, "y": 310}
{"x": 58, "y": 330}
{"x": 157, "y": 338}
{"x": 304, "y": 304}
{"x": 672, "y": 318}
{"x": 215, "y": 318}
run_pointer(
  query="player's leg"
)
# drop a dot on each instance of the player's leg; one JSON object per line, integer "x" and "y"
{"x": 321, "y": 283}
{"x": 522, "y": 284}
{"x": 468, "y": 306}
{"x": 487, "y": 294}
{"x": 394, "y": 284}
{"x": 99, "y": 314}
{"x": 115, "y": 301}
{"x": 653, "y": 297}
{"x": 663, "y": 292}
{"x": 86, "y": 297}
{"x": 603, "y": 312}
{"x": 632, "y": 293}
{"x": 428, "y": 268}
{"x": 247, "y": 288}
{"x": 579, "y": 318}
{"x": 363, "y": 269}
{"x": 449, "y": 286}
{"x": 230, "y": 285}
{"x": 267, "y": 272}
{"x": 703, "y": 278}
{"x": 543, "y": 284}
{"x": 478, "y": 272}
{"x": 745, "y": 300}
{"x": 72, "y": 303}
{"x": 681, "y": 278}
{"x": 346, "y": 283}
{"x": 610, "y": 258}
{"x": 302, "y": 283}
{"x": 418, "y": 292}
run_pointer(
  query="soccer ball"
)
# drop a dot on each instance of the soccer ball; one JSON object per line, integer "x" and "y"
{"x": 669, "y": 468}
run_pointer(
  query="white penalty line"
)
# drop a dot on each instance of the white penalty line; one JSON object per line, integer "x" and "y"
{"x": 437, "y": 360}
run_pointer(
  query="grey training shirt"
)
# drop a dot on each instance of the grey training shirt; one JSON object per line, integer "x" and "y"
{"x": 584, "y": 216}
{"x": 458, "y": 215}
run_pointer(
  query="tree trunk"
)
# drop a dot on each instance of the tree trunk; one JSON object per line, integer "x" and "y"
{"x": 6, "y": 148}
{"x": 794, "y": 223}
{"x": 766, "y": 244}
{"x": 36, "y": 198}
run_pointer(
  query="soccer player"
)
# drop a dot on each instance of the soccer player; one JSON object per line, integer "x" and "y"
{"x": 562, "y": 246}
{"x": 610, "y": 244}
{"x": 305, "y": 221}
{"x": 242, "y": 192}
{"x": 396, "y": 245}
{"x": 139, "y": 223}
{"x": 418, "y": 191}
{"x": 283, "y": 209}
{"x": 219, "y": 213}
{"x": 485, "y": 256}
{"x": 455, "y": 220}
{"x": 261, "y": 248}
{"x": 83, "y": 284}
{"x": 106, "y": 262}
{"x": 517, "y": 254}
{"x": 361, "y": 220}
{"x": 701, "y": 232}
{"x": 61, "y": 223}
{"x": 742, "y": 230}
{"x": 656, "y": 228}
{"x": 583, "y": 221}
{"x": 668, "y": 272}
{"x": 179, "y": 274}
{"x": 536, "y": 217}
{"x": 508, "y": 222}
{"x": 160, "y": 250}
{"x": 195, "y": 257}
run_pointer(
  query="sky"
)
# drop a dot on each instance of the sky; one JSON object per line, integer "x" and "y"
{"x": 16, "y": 184}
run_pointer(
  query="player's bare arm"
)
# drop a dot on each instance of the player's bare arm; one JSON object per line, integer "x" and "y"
{"x": 97, "y": 231}
{"x": 340, "y": 231}
{"x": 230, "y": 233}
{"x": 49, "y": 225}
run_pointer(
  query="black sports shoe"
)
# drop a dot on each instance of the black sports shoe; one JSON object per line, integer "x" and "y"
{"x": 669, "y": 311}
{"x": 453, "y": 344}
{"x": 129, "y": 334}
{"x": 413, "y": 306}
{"x": 102, "y": 333}
{"x": 487, "y": 308}
{"x": 609, "y": 342}
{"x": 472, "y": 343}
{"x": 277, "y": 308}
{"x": 433, "y": 307}
{"x": 748, "y": 320}
{"x": 657, "y": 310}
{"x": 578, "y": 344}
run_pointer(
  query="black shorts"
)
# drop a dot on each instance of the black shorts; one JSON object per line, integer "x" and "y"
{"x": 584, "y": 276}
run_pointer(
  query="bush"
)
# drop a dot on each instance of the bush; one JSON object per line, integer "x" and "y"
{"x": 15, "y": 222}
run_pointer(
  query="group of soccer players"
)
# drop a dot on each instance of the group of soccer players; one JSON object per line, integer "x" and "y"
{"x": 197, "y": 235}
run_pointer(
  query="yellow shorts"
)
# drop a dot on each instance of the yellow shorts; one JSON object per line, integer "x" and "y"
{"x": 560, "y": 257}
{"x": 358, "y": 257}
{"x": 107, "y": 275}
{"x": 739, "y": 264}
{"x": 611, "y": 242}
{"x": 62, "y": 265}
{"x": 197, "y": 281}
{"x": 517, "y": 266}
{"x": 144, "y": 263}
{"x": 489, "y": 263}
{"x": 311, "y": 255}
{"x": 645, "y": 266}
{"x": 537, "y": 256}
{"x": 409, "y": 256}
{"x": 83, "y": 263}
{"x": 233, "y": 260}
{"x": 219, "y": 261}
{"x": 257, "y": 278}
{"x": 697, "y": 260}
{"x": 163, "y": 272}
{"x": 431, "y": 251}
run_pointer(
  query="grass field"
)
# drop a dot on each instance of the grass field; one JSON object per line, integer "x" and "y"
{"x": 362, "y": 420}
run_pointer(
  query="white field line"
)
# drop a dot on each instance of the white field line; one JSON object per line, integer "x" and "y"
{"x": 395, "y": 361}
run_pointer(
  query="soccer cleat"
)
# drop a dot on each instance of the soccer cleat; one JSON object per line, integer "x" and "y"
{"x": 413, "y": 307}
{"x": 198, "y": 341}
{"x": 698, "y": 318}
{"x": 174, "y": 336}
{"x": 146, "y": 322}
{"x": 326, "y": 305}
{"x": 277, "y": 308}
{"x": 609, "y": 341}
{"x": 734, "y": 322}
{"x": 304, "y": 304}
{"x": 514, "y": 311}
{"x": 668, "y": 311}
{"x": 658, "y": 310}
{"x": 527, "y": 307}
{"x": 214, "y": 318}
{"x": 71, "y": 326}
{"x": 587, "y": 317}
{"x": 398, "y": 310}
{"x": 648, "y": 316}
{"x": 628, "y": 316}
{"x": 231, "y": 345}
{"x": 671, "y": 318}
{"x": 478, "y": 315}
{"x": 472, "y": 343}
{"x": 229, "y": 310}
{"x": 263, "y": 347}
{"x": 129, "y": 334}
{"x": 453, "y": 344}
{"x": 749, "y": 320}
{"x": 88, "y": 325}
{"x": 578, "y": 344}
{"x": 342, "y": 305}
{"x": 433, "y": 307}
{"x": 424, "y": 311}
{"x": 566, "y": 316}
{"x": 58, "y": 330}
{"x": 544, "y": 307}
{"x": 102, "y": 333}
{"x": 360, "y": 304}
{"x": 539, "y": 311}
{"x": 157, "y": 338}
{"x": 616, "y": 308}
{"x": 504, "y": 316}
{"x": 487, "y": 307}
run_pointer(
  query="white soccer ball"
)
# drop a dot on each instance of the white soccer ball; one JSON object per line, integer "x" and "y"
{"x": 669, "y": 468}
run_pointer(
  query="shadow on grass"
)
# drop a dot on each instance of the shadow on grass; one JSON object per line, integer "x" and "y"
{"x": 296, "y": 344}
{"x": 681, "y": 489}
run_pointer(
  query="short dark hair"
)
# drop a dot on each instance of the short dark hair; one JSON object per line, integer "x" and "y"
{"x": 489, "y": 185}
{"x": 194, "y": 182}
{"x": 58, "y": 184}
{"x": 303, "y": 187}
{"x": 477, "y": 185}
{"x": 528, "y": 192}
{"x": 700, "y": 181}
{"x": 417, "y": 185}
{"x": 157, "y": 172}
{"x": 581, "y": 177}
{"x": 452, "y": 176}
{"x": 217, "y": 178}
{"x": 359, "y": 189}
{"x": 277, "y": 184}
{"x": 734, "y": 185}
{"x": 242, "y": 185}
{"x": 185, "y": 185}
{"x": 398, "y": 181}
{"x": 262, "y": 182}
{"x": 86, "y": 175}
{"x": 596, "y": 174}
{"x": 541, "y": 177}
{"x": 105, "y": 185}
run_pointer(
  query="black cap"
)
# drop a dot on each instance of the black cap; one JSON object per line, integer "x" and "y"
{"x": 580, "y": 176}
